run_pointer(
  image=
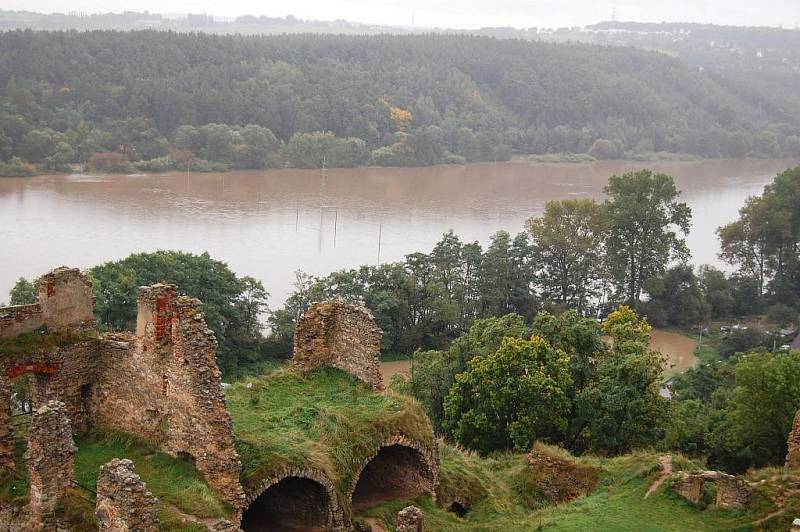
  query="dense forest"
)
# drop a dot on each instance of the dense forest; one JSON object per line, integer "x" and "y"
{"x": 149, "y": 100}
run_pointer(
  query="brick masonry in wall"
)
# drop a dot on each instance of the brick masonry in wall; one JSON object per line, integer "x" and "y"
{"x": 161, "y": 384}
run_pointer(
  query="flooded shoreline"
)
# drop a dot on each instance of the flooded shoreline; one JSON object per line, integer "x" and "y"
{"x": 268, "y": 224}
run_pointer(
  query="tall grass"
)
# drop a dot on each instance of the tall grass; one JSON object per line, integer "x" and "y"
{"x": 327, "y": 420}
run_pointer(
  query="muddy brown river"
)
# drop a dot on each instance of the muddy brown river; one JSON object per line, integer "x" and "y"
{"x": 270, "y": 223}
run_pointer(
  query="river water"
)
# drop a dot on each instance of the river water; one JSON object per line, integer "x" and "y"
{"x": 268, "y": 224}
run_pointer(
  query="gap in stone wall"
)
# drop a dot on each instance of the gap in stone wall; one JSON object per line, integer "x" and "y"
{"x": 396, "y": 472}
{"x": 292, "y": 504}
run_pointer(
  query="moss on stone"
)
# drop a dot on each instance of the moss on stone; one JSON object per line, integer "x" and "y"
{"x": 41, "y": 341}
{"x": 328, "y": 421}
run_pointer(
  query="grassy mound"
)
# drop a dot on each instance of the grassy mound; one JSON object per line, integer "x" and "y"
{"x": 617, "y": 502}
{"x": 176, "y": 483}
{"x": 555, "y": 477}
{"x": 328, "y": 421}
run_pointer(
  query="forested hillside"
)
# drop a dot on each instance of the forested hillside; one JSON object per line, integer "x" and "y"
{"x": 117, "y": 98}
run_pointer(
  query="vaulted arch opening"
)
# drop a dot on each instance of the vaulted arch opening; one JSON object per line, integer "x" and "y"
{"x": 396, "y": 472}
{"x": 292, "y": 504}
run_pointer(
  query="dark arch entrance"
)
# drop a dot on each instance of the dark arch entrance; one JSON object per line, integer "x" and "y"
{"x": 396, "y": 472}
{"x": 292, "y": 504}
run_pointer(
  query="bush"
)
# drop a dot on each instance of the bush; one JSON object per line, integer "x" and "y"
{"x": 744, "y": 340}
{"x": 108, "y": 161}
{"x": 781, "y": 315}
{"x": 16, "y": 167}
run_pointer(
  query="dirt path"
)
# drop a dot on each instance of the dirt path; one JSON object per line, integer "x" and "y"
{"x": 666, "y": 471}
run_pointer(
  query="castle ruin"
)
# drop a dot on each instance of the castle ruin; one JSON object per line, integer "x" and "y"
{"x": 162, "y": 384}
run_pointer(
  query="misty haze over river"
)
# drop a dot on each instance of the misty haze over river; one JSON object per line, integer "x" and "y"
{"x": 268, "y": 224}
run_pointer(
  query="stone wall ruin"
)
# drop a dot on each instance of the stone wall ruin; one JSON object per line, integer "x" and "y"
{"x": 123, "y": 502}
{"x": 410, "y": 519}
{"x": 793, "y": 444}
{"x": 339, "y": 335}
{"x": 732, "y": 493}
{"x": 65, "y": 301}
{"x": 161, "y": 384}
{"x": 399, "y": 469}
{"x": 50, "y": 459}
{"x": 295, "y": 498}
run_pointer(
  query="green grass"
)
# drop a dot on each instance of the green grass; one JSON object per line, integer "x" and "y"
{"x": 173, "y": 481}
{"x": 327, "y": 420}
{"x": 40, "y": 341}
{"x": 616, "y": 504}
{"x": 255, "y": 369}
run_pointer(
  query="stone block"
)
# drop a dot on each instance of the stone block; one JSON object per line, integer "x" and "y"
{"x": 339, "y": 335}
{"x": 123, "y": 502}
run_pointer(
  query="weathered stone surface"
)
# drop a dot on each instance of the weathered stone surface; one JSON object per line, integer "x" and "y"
{"x": 123, "y": 502}
{"x": 162, "y": 384}
{"x": 6, "y": 431}
{"x": 689, "y": 487}
{"x": 66, "y": 300}
{"x": 50, "y": 459}
{"x": 309, "y": 506}
{"x": 731, "y": 492}
{"x": 793, "y": 456}
{"x": 410, "y": 519}
{"x": 401, "y": 466}
{"x": 20, "y": 319}
{"x": 342, "y": 336}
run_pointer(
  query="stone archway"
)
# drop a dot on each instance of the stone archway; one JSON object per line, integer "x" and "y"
{"x": 399, "y": 469}
{"x": 295, "y": 500}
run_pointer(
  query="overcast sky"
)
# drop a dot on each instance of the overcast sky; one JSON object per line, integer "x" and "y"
{"x": 460, "y": 14}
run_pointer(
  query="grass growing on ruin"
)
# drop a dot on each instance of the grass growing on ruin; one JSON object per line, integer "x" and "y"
{"x": 617, "y": 503}
{"x": 41, "y": 341}
{"x": 174, "y": 482}
{"x": 328, "y": 420}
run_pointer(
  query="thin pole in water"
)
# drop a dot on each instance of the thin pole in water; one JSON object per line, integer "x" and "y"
{"x": 380, "y": 234}
{"x": 296, "y": 215}
{"x": 335, "y": 225}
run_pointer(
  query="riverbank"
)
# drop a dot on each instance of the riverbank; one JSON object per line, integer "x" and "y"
{"x": 268, "y": 224}
{"x": 163, "y": 165}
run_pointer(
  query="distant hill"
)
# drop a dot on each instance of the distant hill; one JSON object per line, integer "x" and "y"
{"x": 414, "y": 99}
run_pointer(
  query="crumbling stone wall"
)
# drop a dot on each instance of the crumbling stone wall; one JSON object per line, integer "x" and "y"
{"x": 163, "y": 384}
{"x": 6, "y": 430}
{"x": 123, "y": 502}
{"x": 65, "y": 295}
{"x": 340, "y": 335}
{"x": 20, "y": 319}
{"x": 731, "y": 492}
{"x": 410, "y": 519}
{"x": 51, "y": 461}
{"x": 793, "y": 443}
{"x": 65, "y": 301}
{"x": 689, "y": 487}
